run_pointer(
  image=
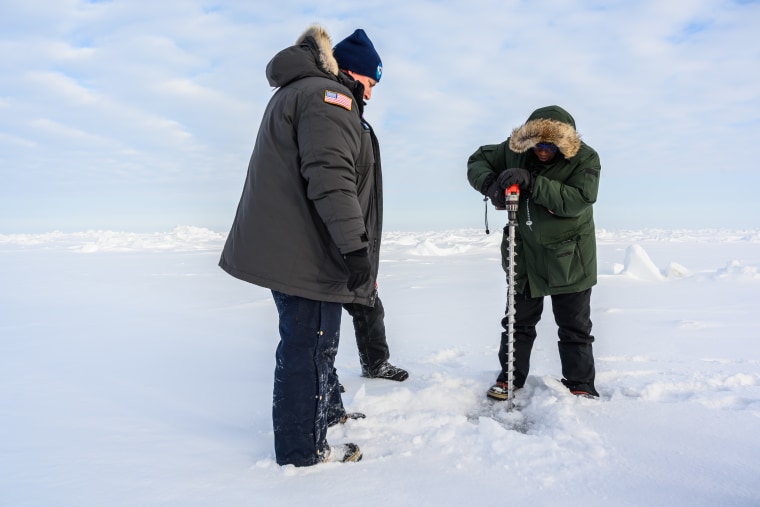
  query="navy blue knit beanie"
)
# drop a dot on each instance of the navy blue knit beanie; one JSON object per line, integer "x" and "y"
{"x": 357, "y": 54}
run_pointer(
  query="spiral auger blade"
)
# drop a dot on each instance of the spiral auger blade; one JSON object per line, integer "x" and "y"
{"x": 512, "y": 195}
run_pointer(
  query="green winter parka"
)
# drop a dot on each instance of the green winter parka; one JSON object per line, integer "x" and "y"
{"x": 555, "y": 237}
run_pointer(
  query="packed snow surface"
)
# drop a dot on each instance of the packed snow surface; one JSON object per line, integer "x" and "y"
{"x": 134, "y": 372}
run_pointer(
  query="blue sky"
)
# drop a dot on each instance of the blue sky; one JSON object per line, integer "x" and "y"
{"x": 141, "y": 115}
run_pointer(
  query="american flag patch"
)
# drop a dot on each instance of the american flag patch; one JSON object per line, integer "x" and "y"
{"x": 338, "y": 99}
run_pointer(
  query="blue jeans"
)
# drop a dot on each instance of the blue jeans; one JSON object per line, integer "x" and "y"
{"x": 306, "y": 393}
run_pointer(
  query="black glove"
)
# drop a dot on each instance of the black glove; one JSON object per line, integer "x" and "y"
{"x": 359, "y": 268}
{"x": 516, "y": 176}
{"x": 493, "y": 191}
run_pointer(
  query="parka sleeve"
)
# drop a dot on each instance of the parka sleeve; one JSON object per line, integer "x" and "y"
{"x": 574, "y": 196}
{"x": 329, "y": 140}
{"x": 483, "y": 163}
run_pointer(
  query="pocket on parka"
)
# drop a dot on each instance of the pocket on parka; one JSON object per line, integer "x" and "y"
{"x": 332, "y": 268}
{"x": 564, "y": 263}
{"x": 366, "y": 159}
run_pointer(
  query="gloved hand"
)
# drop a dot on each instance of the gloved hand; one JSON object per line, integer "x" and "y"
{"x": 517, "y": 176}
{"x": 359, "y": 268}
{"x": 493, "y": 191}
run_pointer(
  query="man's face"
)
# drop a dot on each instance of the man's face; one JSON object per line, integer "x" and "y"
{"x": 368, "y": 83}
{"x": 545, "y": 152}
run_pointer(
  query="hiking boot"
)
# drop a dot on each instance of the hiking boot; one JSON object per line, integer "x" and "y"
{"x": 499, "y": 391}
{"x": 344, "y": 453}
{"x": 387, "y": 371}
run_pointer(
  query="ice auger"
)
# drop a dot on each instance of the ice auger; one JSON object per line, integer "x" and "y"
{"x": 512, "y": 197}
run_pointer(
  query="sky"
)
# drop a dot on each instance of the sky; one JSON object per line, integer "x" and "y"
{"x": 141, "y": 115}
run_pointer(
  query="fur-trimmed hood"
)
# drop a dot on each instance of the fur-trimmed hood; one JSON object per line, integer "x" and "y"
{"x": 324, "y": 43}
{"x": 311, "y": 55}
{"x": 550, "y": 124}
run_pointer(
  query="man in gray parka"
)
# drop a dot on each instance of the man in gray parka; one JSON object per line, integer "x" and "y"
{"x": 308, "y": 227}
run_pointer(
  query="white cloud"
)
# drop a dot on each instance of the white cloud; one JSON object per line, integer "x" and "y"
{"x": 659, "y": 89}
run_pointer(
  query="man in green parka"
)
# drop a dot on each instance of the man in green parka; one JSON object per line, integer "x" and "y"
{"x": 558, "y": 175}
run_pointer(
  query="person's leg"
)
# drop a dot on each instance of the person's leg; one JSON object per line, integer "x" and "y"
{"x": 309, "y": 335}
{"x": 527, "y": 315}
{"x": 572, "y": 313}
{"x": 369, "y": 327}
{"x": 336, "y": 411}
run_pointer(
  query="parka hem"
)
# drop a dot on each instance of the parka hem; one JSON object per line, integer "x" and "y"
{"x": 292, "y": 290}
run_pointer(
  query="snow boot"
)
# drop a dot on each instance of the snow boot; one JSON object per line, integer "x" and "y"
{"x": 351, "y": 415}
{"x": 499, "y": 391}
{"x": 344, "y": 453}
{"x": 345, "y": 417}
{"x": 386, "y": 370}
{"x": 581, "y": 390}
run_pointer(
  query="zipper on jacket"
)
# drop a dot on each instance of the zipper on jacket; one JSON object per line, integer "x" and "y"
{"x": 580, "y": 254}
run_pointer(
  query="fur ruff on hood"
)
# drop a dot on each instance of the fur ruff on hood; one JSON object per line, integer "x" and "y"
{"x": 545, "y": 130}
{"x": 322, "y": 38}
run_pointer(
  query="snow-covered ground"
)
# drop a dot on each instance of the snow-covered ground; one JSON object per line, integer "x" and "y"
{"x": 134, "y": 372}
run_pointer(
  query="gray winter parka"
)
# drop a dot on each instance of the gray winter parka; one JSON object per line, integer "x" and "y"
{"x": 313, "y": 191}
{"x": 556, "y": 242}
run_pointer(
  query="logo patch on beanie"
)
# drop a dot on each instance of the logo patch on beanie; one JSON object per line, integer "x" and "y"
{"x": 338, "y": 99}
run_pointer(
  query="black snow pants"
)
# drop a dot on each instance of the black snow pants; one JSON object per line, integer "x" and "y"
{"x": 369, "y": 327}
{"x": 572, "y": 313}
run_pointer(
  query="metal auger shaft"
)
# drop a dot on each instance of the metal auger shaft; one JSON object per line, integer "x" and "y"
{"x": 512, "y": 195}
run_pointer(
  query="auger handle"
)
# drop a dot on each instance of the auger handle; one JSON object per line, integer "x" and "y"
{"x": 512, "y": 197}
